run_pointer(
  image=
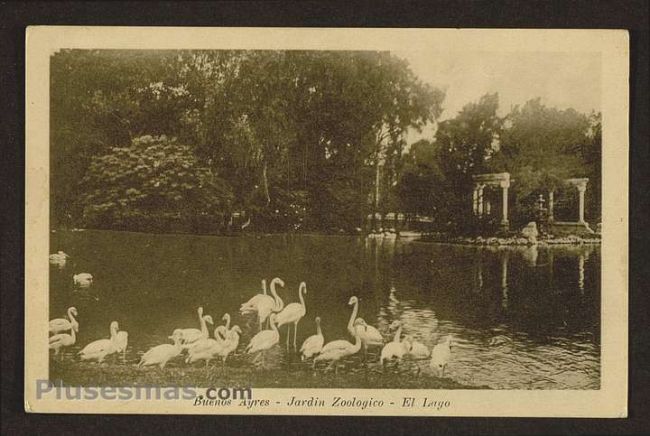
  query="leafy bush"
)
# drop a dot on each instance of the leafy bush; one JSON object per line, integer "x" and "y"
{"x": 155, "y": 183}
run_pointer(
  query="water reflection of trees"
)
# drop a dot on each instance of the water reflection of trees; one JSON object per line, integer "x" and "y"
{"x": 484, "y": 286}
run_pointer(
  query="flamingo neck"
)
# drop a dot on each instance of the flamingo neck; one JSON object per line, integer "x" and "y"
{"x": 74, "y": 335}
{"x": 71, "y": 316}
{"x": 204, "y": 326}
{"x": 357, "y": 343}
{"x": 398, "y": 333}
{"x": 227, "y": 322}
{"x": 279, "y": 304}
{"x": 273, "y": 326}
{"x": 319, "y": 332}
{"x": 301, "y": 292}
{"x": 264, "y": 286}
{"x": 220, "y": 333}
{"x": 353, "y": 316}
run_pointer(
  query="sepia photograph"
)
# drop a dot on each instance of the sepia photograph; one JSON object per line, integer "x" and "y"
{"x": 323, "y": 219}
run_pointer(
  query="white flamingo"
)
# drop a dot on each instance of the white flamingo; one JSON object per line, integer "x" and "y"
{"x": 264, "y": 305}
{"x": 369, "y": 335}
{"x": 226, "y": 319}
{"x": 121, "y": 342}
{"x": 418, "y": 349}
{"x": 342, "y": 343}
{"x": 99, "y": 349}
{"x": 161, "y": 354}
{"x": 62, "y": 340}
{"x": 265, "y": 339}
{"x": 230, "y": 344}
{"x": 440, "y": 356}
{"x": 59, "y": 325}
{"x": 83, "y": 280}
{"x": 293, "y": 313}
{"x": 313, "y": 344}
{"x": 396, "y": 349}
{"x": 334, "y": 355}
{"x": 190, "y": 336}
{"x": 251, "y": 305}
{"x": 205, "y": 348}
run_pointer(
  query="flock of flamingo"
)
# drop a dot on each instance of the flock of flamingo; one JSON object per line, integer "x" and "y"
{"x": 272, "y": 314}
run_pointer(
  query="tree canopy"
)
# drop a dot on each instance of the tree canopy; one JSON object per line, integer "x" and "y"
{"x": 310, "y": 140}
{"x": 287, "y": 131}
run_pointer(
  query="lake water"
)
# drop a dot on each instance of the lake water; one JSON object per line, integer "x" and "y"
{"x": 521, "y": 318}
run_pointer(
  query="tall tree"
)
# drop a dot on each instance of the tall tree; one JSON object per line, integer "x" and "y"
{"x": 464, "y": 145}
{"x": 542, "y": 147}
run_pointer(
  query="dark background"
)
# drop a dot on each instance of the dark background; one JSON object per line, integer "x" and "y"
{"x": 14, "y": 17}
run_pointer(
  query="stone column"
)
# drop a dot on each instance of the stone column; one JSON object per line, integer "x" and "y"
{"x": 551, "y": 194}
{"x": 504, "y": 187}
{"x": 581, "y": 202}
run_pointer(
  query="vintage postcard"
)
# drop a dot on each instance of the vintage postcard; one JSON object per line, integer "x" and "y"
{"x": 404, "y": 222}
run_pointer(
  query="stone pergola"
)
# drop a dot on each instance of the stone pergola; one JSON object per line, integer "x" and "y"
{"x": 482, "y": 207}
{"x": 495, "y": 180}
{"x": 569, "y": 227}
{"x": 581, "y": 185}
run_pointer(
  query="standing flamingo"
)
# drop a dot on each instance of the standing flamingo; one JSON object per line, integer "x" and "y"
{"x": 369, "y": 335}
{"x": 265, "y": 339}
{"x": 230, "y": 344}
{"x": 206, "y": 348}
{"x": 251, "y": 305}
{"x": 293, "y": 313}
{"x": 161, "y": 354}
{"x": 121, "y": 342}
{"x": 59, "y": 325}
{"x": 334, "y": 355}
{"x": 313, "y": 344}
{"x": 226, "y": 319}
{"x": 342, "y": 343}
{"x": 99, "y": 349}
{"x": 396, "y": 349}
{"x": 190, "y": 336}
{"x": 264, "y": 305}
{"x": 440, "y": 356}
{"x": 62, "y": 340}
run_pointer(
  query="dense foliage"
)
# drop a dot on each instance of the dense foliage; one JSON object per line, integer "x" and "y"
{"x": 292, "y": 140}
{"x": 153, "y": 184}
{"x": 298, "y": 137}
{"x": 539, "y": 146}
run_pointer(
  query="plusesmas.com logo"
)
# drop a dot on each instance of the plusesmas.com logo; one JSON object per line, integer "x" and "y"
{"x": 57, "y": 390}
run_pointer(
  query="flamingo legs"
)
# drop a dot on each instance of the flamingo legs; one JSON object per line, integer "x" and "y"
{"x": 295, "y": 333}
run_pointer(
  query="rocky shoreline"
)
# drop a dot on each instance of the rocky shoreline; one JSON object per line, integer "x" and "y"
{"x": 512, "y": 240}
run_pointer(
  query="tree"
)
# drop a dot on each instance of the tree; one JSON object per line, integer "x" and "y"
{"x": 542, "y": 147}
{"x": 283, "y": 128}
{"x": 418, "y": 189}
{"x": 153, "y": 179}
{"x": 464, "y": 145}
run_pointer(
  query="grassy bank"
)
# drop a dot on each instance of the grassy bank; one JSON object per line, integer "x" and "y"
{"x": 294, "y": 375}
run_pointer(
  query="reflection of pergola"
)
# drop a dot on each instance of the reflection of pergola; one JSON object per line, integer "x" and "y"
{"x": 496, "y": 180}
